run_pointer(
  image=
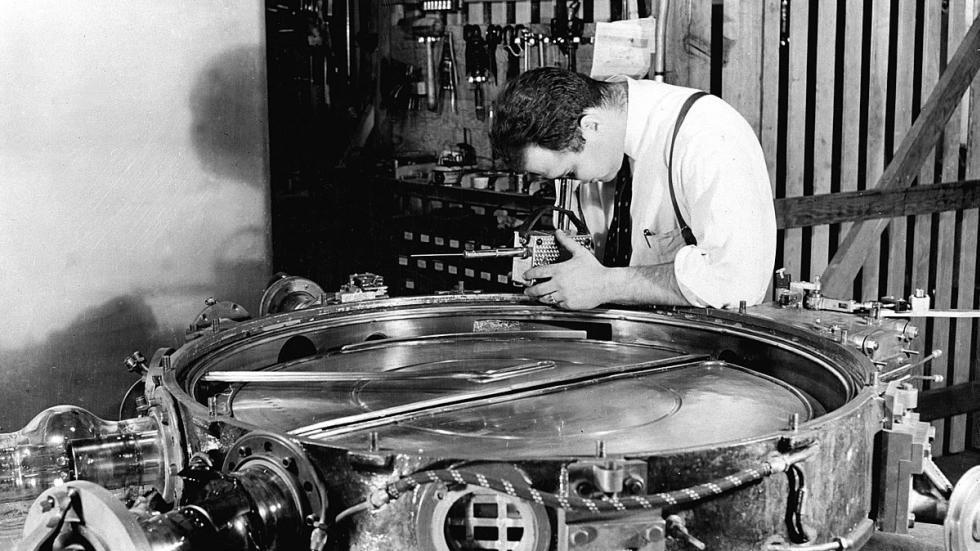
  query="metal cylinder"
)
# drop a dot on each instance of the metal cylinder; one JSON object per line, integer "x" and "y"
{"x": 120, "y": 460}
{"x": 235, "y": 511}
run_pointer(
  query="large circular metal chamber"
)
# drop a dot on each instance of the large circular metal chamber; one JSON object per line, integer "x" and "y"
{"x": 388, "y": 387}
{"x": 498, "y": 377}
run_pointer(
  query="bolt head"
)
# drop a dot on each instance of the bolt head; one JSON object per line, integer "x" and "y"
{"x": 654, "y": 533}
{"x": 581, "y": 536}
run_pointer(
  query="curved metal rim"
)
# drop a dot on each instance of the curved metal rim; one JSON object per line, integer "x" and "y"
{"x": 844, "y": 363}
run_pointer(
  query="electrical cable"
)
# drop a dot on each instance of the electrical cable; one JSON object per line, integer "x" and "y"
{"x": 122, "y": 403}
{"x": 573, "y": 503}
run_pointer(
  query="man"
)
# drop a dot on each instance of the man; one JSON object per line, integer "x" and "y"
{"x": 715, "y": 248}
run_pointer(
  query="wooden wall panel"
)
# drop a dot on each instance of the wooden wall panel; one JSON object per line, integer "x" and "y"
{"x": 796, "y": 130}
{"x": 769, "y": 108}
{"x": 823, "y": 138}
{"x": 851, "y": 100}
{"x": 689, "y": 44}
{"x": 498, "y": 13}
{"x": 944, "y": 365}
{"x": 474, "y": 14}
{"x": 877, "y": 99}
{"x": 967, "y": 278}
{"x": 931, "y": 40}
{"x": 905, "y": 55}
{"x": 741, "y": 71}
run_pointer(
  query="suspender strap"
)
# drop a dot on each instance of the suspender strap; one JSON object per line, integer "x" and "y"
{"x": 685, "y": 230}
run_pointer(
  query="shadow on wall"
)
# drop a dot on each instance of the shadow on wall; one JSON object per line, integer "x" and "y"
{"x": 80, "y": 364}
{"x": 229, "y": 107}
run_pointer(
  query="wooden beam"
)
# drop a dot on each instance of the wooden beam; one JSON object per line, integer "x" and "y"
{"x": 904, "y": 167}
{"x": 952, "y": 400}
{"x": 855, "y": 206}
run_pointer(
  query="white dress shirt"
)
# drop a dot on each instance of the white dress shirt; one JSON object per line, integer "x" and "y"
{"x": 722, "y": 188}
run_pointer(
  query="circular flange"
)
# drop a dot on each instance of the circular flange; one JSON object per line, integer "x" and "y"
{"x": 287, "y": 294}
{"x": 261, "y": 448}
{"x": 164, "y": 411}
{"x": 107, "y": 524}
{"x": 962, "y": 525}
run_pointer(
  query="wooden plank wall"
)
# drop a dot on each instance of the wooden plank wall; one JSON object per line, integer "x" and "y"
{"x": 850, "y": 77}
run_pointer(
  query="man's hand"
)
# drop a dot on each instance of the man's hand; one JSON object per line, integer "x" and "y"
{"x": 575, "y": 284}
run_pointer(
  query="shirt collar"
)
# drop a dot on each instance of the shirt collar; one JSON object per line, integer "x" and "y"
{"x": 634, "y": 120}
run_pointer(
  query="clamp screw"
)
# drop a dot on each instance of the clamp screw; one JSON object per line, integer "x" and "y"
{"x": 135, "y": 362}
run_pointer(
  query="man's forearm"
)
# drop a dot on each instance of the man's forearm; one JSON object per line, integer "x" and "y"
{"x": 655, "y": 284}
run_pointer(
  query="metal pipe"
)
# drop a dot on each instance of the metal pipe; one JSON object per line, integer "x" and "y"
{"x": 661, "y": 38}
{"x": 854, "y": 539}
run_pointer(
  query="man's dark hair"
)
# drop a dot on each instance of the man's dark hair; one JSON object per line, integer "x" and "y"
{"x": 543, "y": 107}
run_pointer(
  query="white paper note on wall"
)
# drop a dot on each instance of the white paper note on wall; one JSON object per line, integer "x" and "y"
{"x": 623, "y": 48}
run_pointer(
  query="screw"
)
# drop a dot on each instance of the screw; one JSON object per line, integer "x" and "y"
{"x": 634, "y": 485}
{"x": 794, "y": 422}
{"x": 581, "y": 536}
{"x": 600, "y": 448}
{"x": 654, "y": 533}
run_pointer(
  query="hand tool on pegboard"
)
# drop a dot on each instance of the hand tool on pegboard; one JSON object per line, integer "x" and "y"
{"x": 428, "y": 31}
{"x": 524, "y": 36}
{"x": 476, "y": 66}
{"x": 514, "y": 51}
{"x": 494, "y": 35}
{"x": 575, "y": 29}
{"x": 448, "y": 77}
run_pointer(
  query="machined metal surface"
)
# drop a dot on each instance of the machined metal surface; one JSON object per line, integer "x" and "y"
{"x": 400, "y": 384}
{"x": 962, "y": 526}
{"x": 417, "y": 355}
{"x": 346, "y": 400}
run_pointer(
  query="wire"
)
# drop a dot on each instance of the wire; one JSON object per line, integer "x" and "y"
{"x": 683, "y": 496}
{"x": 122, "y": 403}
{"x": 360, "y": 507}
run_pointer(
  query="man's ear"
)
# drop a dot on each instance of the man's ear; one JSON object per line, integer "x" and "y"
{"x": 588, "y": 124}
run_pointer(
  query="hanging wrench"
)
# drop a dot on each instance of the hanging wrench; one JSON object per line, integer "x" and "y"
{"x": 575, "y": 29}
{"x": 493, "y": 40}
{"x": 476, "y": 70}
{"x": 514, "y": 51}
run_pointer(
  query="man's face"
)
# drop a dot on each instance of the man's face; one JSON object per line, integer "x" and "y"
{"x": 600, "y": 159}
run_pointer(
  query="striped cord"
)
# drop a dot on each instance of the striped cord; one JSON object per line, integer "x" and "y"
{"x": 573, "y": 503}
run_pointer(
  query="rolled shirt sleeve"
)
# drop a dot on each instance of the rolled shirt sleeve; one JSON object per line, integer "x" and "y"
{"x": 729, "y": 206}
